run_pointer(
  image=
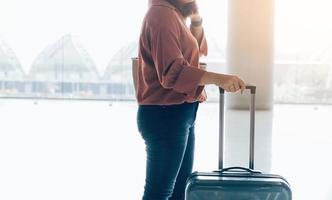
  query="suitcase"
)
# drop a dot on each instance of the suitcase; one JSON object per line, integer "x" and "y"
{"x": 237, "y": 183}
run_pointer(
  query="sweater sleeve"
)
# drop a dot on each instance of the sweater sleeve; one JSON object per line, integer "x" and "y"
{"x": 202, "y": 43}
{"x": 203, "y": 47}
{"x": 174, "y": 72}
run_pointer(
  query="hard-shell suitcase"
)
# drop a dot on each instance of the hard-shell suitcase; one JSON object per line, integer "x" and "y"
{"x": 237, "y": 183}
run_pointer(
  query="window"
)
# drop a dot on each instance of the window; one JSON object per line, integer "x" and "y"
{"x": 68, "y": 49}
{"x": 303, "y": 63}
{"x": 83, "y": 49}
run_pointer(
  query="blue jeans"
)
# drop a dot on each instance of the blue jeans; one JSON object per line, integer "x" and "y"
{"x": 169, "y": 135}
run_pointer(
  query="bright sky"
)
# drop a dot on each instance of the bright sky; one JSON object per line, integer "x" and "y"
{"x": 104, "y": 26}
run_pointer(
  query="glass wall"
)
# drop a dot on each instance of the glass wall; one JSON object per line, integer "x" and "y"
{"x": 82, "y": 50}
{"x": 68, "y": 49}
{"x": 74, "y": 49}
{"x": 303, "y": 59}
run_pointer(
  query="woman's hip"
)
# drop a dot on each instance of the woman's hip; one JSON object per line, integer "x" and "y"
{"x": 170, "y": 118}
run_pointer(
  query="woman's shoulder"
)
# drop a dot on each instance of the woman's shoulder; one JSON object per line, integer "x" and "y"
{"x": 161, "y": 16}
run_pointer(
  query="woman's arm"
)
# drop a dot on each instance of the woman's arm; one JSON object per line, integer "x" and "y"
{"x": 230, "y": 83}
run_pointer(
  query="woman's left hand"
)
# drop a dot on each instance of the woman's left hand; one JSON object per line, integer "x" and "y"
{"x": 195, "y": 17}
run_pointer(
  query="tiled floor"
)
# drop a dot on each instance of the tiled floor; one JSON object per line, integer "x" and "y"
{"x": 91, "y": 150}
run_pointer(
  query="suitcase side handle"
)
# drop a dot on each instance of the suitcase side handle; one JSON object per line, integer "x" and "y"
{"x": 252, "y": 89}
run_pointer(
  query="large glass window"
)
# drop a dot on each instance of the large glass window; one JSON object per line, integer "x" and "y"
{"x": 73, "y": 49}
{"x": 303, "y": 63}
{"x": 68, "y": 49}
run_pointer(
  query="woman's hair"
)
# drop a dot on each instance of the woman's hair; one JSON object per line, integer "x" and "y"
{"x": 186, "y": 9}
{"x": 174, "y": 3}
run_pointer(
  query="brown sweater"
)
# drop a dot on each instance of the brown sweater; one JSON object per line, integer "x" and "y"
{"x": 168, "y": 70}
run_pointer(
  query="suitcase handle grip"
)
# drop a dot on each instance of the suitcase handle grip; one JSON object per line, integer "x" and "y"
{"x": 252, "y": 89}
{"x": 238, "y": 168}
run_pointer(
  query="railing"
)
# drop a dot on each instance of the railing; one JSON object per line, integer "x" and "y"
{"x": 309, "y": 83}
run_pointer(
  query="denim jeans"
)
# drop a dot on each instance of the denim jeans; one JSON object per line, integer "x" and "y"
{"x": 169, "y": 135}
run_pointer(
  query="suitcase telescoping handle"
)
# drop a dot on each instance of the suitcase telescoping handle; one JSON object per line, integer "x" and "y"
{"x": 221, "y": 126}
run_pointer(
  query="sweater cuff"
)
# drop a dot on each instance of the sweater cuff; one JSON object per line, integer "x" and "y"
{"x": 188, "y": 81}
{"x": 203, "y": 47}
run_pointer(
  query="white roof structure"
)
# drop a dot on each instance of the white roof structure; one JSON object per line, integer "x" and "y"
{"x": 119, "y": 68}
{"x": 65, "y": 60}
{"x": 10, "y": 67}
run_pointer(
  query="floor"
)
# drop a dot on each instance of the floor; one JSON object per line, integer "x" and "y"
{"x": 91, "y": 150}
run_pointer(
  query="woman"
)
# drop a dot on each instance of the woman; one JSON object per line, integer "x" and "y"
{"x": 170, "y": 86}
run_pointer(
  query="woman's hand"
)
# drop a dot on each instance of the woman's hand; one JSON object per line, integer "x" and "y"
{"x": 195, "y": 17}
{"x": 230, "y": 83}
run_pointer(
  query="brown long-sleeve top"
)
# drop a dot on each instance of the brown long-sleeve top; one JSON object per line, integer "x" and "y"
{"x": 168, "y": 69}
